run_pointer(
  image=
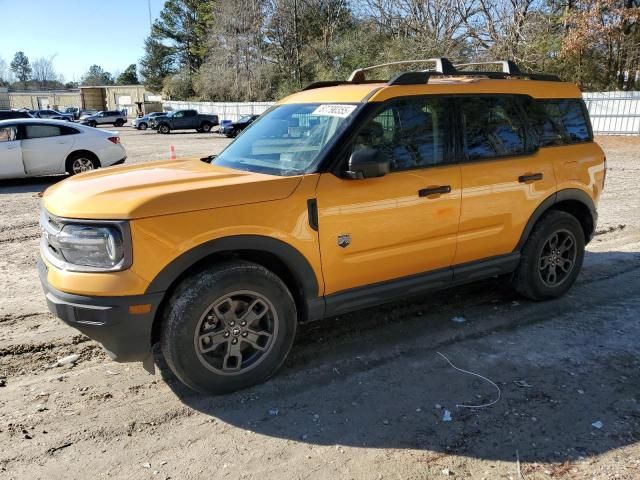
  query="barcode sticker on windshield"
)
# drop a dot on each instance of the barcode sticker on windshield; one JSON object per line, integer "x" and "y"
{"x": 334, "y": 110}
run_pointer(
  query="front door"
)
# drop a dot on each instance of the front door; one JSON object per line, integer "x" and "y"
{"x": 504, "y": 177}
{"x": 10, "y": 153}
{"x": 404, "y": 223}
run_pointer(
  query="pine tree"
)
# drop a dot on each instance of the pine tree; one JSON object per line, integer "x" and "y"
{"x": 21, "y": 68}
{"x": 129, "y": 76}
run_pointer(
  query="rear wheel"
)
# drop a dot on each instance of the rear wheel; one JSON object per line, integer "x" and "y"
{"x": 143, "y": 126}
{"x": 228, "y": 327}
{"x": 205, "y": 127}
{"x": 80, "y": 163}
{"x": 551, "y": 258}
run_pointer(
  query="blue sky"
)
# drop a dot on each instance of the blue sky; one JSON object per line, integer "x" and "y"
{"x": 80, "y": 33}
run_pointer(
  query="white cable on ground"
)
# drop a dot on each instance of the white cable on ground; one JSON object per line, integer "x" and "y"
{"x": 477, "y": 375}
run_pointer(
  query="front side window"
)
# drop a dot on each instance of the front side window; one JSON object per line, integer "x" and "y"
{"x": 287, "y": 139}
{"x": 412, "y": 133}
{"x": 178, "y": 114}
{"x": 8, "y": 134}
{"x": 41, "y": 131}
{"x": 492, "y": 126}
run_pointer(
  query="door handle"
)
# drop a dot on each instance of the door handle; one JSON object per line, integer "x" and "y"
{"x": 425, "y": 192}
{"x": 530, "y": 177}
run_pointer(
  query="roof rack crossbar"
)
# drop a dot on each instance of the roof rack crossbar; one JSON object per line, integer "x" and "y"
{"x": 442, "y": 66}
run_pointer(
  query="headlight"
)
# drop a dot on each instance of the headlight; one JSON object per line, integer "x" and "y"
{"x": 86, "y": 245}
{"x": 91, "y": 246}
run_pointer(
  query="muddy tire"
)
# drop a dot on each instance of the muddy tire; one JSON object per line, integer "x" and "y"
{"x": 551, "y": 258}
{"x": 228, "y": 327}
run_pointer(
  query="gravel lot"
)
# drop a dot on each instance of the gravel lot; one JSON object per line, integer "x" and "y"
{"x": 362, "y": 396}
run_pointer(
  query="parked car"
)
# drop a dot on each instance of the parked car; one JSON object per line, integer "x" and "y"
{"x": 10, "y": 114}
{"x": 33, "y": 147}
{"x": 75, "y": 111}
{"x": 84, "y": 113}
{"x": 184, "y": 120}
{"x": 142, "y": 123}
{"x": 113, "y": 117}
{"x": 346, "y": 195}
{"x": 52, "y": 114}
{"x": 233, "y": 129}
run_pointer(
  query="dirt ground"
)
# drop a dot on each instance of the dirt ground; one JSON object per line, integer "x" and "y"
{"x": 363, "y": 396}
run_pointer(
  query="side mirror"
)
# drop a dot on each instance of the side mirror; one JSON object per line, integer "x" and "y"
{"x": 367, "y": 163}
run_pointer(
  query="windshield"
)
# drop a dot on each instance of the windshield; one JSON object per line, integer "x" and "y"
{"x": 287, "y": 139}
{"x": 244, "y": 119}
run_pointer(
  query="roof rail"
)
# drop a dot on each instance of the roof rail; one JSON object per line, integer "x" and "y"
{"x": 507, "y": 66}
{"x": 442, "y": 66}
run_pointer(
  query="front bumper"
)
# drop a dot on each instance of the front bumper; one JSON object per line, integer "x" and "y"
{"x": 125, "y": 336}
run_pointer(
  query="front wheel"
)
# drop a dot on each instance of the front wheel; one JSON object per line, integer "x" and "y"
{"x": 228, "y": 327}
{"x": 551, "y": 258}
{"x": 92, "y": 124}
{"x": 118, "y": 123}
{"x": 164, "y": 129}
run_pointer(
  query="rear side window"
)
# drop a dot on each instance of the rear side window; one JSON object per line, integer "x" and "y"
{"x": 493, "y": 127}
{"x": 559, "y": 122}
{"x": 64, "y": 130}
{"x": 41, "y": 131}
{"x": 190, "y": 113}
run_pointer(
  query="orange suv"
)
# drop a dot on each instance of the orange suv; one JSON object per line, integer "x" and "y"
{"x": 345, "y": 195}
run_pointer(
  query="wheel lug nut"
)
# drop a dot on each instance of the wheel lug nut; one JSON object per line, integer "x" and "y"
{"x": 232, "y": 323}
{"x": 244, "y": 334}
{"x": 234, "y": 341}
{"x": 243, "y": 323}
{"x": 226, "y": 334}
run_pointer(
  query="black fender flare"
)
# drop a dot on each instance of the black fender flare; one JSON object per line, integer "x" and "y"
{"x": 291, "y": 257}
{"x": 549, "y": 202}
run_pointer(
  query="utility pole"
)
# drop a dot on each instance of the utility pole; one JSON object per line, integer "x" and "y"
{"x": 150, "y": 18}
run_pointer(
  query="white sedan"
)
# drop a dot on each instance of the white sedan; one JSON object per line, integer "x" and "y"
{"x": 31, "y": 147}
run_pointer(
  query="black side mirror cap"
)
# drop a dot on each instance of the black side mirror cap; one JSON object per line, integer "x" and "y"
{"x": 367, "y": 163}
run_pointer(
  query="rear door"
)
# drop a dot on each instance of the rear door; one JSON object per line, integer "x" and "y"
{"x": 504, "y": 175}
{"x": 45, "y": 147}
{"x": 10, "y": 153}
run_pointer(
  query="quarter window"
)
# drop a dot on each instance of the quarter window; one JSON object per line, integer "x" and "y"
{"x": 559, "y": 122}
{"x": 492, "y": 126}
{"x": 412, "y": 133}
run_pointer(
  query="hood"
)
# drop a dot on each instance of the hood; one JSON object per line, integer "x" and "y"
{"x": 161, "y": 188}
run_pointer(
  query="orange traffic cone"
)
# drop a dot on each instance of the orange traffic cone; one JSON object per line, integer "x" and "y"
{"x": 172, "y": 152}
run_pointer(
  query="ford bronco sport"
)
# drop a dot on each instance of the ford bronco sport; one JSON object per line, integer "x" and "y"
{"x": 345, "y": 195}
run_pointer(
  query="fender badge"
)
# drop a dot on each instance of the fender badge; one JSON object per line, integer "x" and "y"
{"x": 344, "y": 240}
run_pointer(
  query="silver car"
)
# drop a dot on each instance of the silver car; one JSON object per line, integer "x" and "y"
{"x": 142, "y": 123}
{"x": 111, "y": 117}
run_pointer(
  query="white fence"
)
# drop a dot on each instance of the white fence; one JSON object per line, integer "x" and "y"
{"x": 612, "y": 113}
{"x": 225, "y": 110}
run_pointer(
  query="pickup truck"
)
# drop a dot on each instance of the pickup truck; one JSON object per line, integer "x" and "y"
{"x": 184, "y": 120}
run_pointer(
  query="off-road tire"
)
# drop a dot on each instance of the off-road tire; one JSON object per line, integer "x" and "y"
{"x": 188, "y": 306}
{"x": 527, "y": 278}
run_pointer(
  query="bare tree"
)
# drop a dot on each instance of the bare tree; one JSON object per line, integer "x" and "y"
{"x": 43, "y": 71}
